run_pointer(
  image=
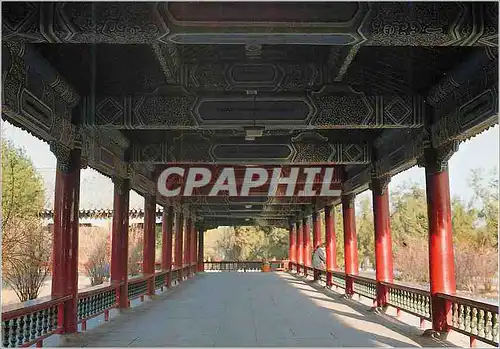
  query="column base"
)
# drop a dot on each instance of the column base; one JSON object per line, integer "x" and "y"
{"x": 71, "y": 339}
{"x": 378, "y": 310}
{"x": 443, "y": 335}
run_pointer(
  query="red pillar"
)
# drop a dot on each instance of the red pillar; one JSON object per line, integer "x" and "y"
{"x": 194, "y": 244}
{"x": 331, "y": 243}
{"x": 300, "y": 243}
{"x": 316, "y": 230}
{"x": 187, "y": 243}
{"x": 383, "y": 242}
{"x": 201, "y": 265}
{"x": 65, "y": 240}
{"x": 316, "y": 237}
{"x": 441, "y": 258}
{"x": 292, "y": 246}
{"x": 148, "y": 266}
{"x": 350, "y": 241}
{"x": 306, "y": 231}
{"x": 167, "y": 232}
{"x": 119, "y": 240}
{"x": 179, "y": 225}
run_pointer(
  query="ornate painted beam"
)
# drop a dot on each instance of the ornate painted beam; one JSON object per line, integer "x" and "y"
{"x": 466, "y": 99}
{"x": 336, "y": 106}
{"x": 195, "y": 201}
{"x": 221, "y": 221}
{"x": 279, "y": 70}
{"x": 463, "y": 104}
{"x": 35, "y": 97}
{"x": 415, "y": 24}
{"x": 308, "y": 147}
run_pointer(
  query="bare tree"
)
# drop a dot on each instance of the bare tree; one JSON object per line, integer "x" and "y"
{"x": 95, "y": 255}
{"x": 135, "y": 245}
{"x": 29, "y": 261}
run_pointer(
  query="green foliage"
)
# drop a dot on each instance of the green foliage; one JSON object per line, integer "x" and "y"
{"x": 158, "y": 235}
{"x": 22, "y": 187}
{"x": 252, "y": 243}
{"x": 26, "y": 245}
{"x": 485, "y": 186}
{"x": 365, "y": 232}
{"x": 408, "y": 213}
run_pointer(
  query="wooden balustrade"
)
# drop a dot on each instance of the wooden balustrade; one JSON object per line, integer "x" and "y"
{"x": 478, "y": 320}
{"x": 138, "y": 286}
{"x": 413, "y": 300}
{"x": 28, "y": 323}
{"x": 95, "y": 301}
{"x": 364, "y": 286}
{"x": 244, "y": 266}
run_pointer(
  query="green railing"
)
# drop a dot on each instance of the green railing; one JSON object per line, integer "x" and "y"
{"x": 244, "y": 266}
{"x": 95, "y": 301}
{"x": 161, "y": 279}
{"x": 478, "y": 320}
{"x": 28, "y": 323}
{"x": 413, "y": 300}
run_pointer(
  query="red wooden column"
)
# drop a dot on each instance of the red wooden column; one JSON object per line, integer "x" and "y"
{"x": 441, "y": 258}
{"x": 331, "y": 243}
{"x": 187, "y": 244}
{"x": 179, "y": 225}
{"x": 383, "y": 242}
{"x": 300, "y": 243}
{"x": 119, "y": 239}
{"x": 201, "y": 243}
{"x": 350, "y": 241}
{"x": 316, "y": 230}
{"x": 166, "y": 244}
{"x": 65, "y": 239}
{"x": 306, "y": 231}
{"x": 292, "y": 245}
{"x": 148, "y": 266}
{"x": 194, "y": 244}
{"x": 316, "y": 237}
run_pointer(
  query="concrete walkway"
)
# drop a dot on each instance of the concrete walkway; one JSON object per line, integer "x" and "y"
{"x": 250, "y": 310}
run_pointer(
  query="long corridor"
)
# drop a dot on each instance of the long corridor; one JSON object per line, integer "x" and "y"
{"x": 249, "y": 310}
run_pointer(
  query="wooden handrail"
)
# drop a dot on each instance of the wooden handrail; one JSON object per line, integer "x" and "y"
{"x": 93, "y": 290}
{"x": 470, "y": 302}
{"x": 139, "y": 278}
{"x": 19, "y": 309}
{"x": 414, "y": 289}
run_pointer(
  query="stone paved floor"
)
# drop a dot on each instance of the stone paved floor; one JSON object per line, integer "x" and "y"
{"x": 251, "y": 310}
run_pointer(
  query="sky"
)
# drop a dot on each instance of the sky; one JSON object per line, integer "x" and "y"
{"x": 481, "y": 151}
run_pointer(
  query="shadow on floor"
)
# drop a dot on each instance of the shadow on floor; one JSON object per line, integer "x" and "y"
{"x": 251, "y": 310}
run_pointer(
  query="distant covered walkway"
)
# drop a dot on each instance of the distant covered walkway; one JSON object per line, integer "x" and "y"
{"x": 251, "y": 309}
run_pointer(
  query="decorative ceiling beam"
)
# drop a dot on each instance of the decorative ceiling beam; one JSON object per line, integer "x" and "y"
{"x": 195, "y": 201}
{"x": 333, "y": 107}
{"x": 327, "y": 23}
{"x": 168, "y": 57}
{"x": 36, "y": 97}
{"x": 308, "y": 147}
{"x": 465, "y": 101}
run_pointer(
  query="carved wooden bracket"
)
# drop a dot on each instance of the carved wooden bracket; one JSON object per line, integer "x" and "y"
{"x": 436, "y": 159}
{"x": 379, "y": 185}
{"x": 348, "y": 200}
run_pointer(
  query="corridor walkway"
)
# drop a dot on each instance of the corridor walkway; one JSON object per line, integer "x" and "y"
{"x": 251, "y": 309}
